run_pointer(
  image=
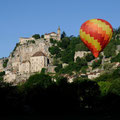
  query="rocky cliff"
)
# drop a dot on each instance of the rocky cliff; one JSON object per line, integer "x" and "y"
{"x": 22, "y": 53}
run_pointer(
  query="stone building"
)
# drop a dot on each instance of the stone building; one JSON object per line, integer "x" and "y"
{"x": 24, "y": 67}
{"x": 80, "y": 54}
{"x": 51, "y": 69}
{"x": 38, "y": 61}
{"x": 53, "y": 35}
{"x": 93, "y": 75}
{"x": 25, "y": 39}
{"x": 118, "y": 48}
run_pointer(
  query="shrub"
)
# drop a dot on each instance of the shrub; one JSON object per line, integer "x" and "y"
{"x": 42, "y": 36}
{"x": 5, "y": 63}
{"x": 58, "y": 68}
{"x": 89, "y": 57}
{"x": 104, "y": 87}
{"x": 54, "y": 50}
{"x": 39, "y": 79}
{"x": 36, "y": 36}
{"x": 116, "y": 58}
{"x": 115, "y": 87}
{"x": 96, "y": 63}
{"x": 2, "y": 73}
{"x": 81, "y": 47}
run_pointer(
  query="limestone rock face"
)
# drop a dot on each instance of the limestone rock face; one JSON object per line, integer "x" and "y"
{"x": 80, "y": 54}
{"x": 28, "y": 58}
{"x": 1, "y": 65}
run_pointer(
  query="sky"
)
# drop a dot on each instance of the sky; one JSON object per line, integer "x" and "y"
{"x": 24, "y": 18}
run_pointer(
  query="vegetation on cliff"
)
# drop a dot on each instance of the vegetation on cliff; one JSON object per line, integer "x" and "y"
{"x": 5, "y": 63}
{"x": 63, "y": 53}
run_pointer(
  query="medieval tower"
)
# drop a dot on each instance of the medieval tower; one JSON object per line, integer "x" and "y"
{"x": 59, "y": 33}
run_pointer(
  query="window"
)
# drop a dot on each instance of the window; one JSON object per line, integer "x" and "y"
{"x": 48, "y": 61}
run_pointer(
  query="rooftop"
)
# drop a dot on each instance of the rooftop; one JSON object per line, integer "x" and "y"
{"x": 50, "y": 33}
{"x": 38, "y": 54}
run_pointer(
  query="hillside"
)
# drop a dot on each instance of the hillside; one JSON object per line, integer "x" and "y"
{"x": 72, "y": 57}
{"x": 68, "y": 92}
{"x": 68, "y": 57}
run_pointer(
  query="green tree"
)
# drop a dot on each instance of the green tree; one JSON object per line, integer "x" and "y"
{"x": 64, "y": 43}
{"x": 115, "y": 87}
{"x": 116, "y": 58}
{"x": 36, "y": 36}
{"x": 110, "y": 51}
{"x": 116, "y": 73}
{"x": 43, "y": 71}
{"x": 104, "y": 87}
{"x": 54, "y": 50}
{"x": 5, "y": 63}
{"x": 83, "y": 69}
{"x": 89, "y": 57}
{"x": 39, "y": 79}
{"x": 58, "y": 68}
{"x": 2, "y": 73}
{"x": 67, "y": 56}
{"x": 53, "y": 41}
{"x": 63, "y": 35}
{"x": 42, "y": 36}
{"x": 96, "y": 64}
{"x": 81, "y": 47}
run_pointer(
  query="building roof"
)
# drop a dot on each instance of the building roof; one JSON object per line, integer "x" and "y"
{"x": 39, "y": 53}
{"x": 50, "y": 33}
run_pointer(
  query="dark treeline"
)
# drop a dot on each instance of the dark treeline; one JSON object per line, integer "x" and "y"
{"x": 41, "y": 96}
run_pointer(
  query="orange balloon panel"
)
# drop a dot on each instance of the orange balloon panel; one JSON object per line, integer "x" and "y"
{"x": 96, "y": 34}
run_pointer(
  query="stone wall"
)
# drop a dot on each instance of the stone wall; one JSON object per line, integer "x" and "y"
{"x": 37, "y": 63}
{"x": 24, "y": 67}
{"x": 1, "y": 65}
{"x": 24, "y": 40}
{"x": 80, "y": 54}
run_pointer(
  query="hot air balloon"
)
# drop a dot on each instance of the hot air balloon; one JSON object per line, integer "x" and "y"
{"x": 96, "y": 34}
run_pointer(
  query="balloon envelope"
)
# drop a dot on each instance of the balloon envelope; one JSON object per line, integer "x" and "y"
{"x": 96, "y": 34}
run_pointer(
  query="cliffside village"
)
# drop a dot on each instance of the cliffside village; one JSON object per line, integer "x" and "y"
{"x": 28, "y": 58}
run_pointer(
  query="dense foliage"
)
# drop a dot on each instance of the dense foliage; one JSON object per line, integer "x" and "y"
{"x": 5, "y": 63}
{"x": 36, "y": 36}
{"x": 116, "y": 58}
{"x": 96, "y": 63}
{"x": 63, "y": 52}
{"x": 111, "y": 51}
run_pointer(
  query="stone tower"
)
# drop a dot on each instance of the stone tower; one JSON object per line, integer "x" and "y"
{"x": 59, "y": 33}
